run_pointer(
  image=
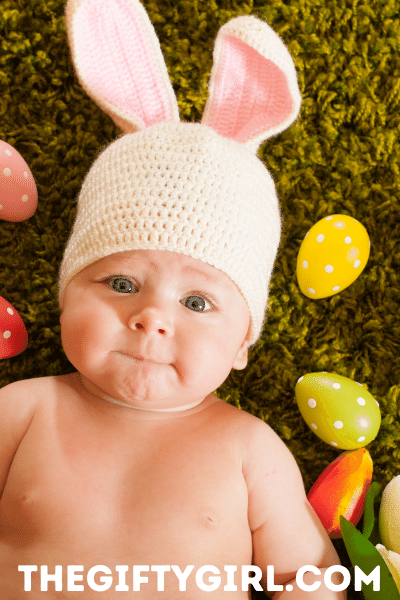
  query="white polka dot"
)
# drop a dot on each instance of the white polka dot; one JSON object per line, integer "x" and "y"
{"x": 7, "y": 172}
{"x": 363, "y": 423}
{"x": 339, "y": 225}
{"x": 6, "y": 335}
{"x": 25, "y": 198}
{"x": 356, "y": 264}
{"x": 328, "y": 268}
{"x": 289, "y": 587}
{"x": 305, "y": 264}
{"x": 347, "y": 240}
{"x": 328, "y": 218}
{"x": 310, "y": 291}
{"x": 313, "y": 425}
{"x": 361, "y": 401}
{"x": 311, "y": 403}
{"x": 336, "y": 386}
{"x": 361, "y": 439}
{"x": 10, "y": 311}
{"x": 26, "y": 174}
{"x": 320, "y": 238}
{"x": 336, "y": 288}
{"x": 8, "y": 152}
{"x": 352, "y": 254}
{"x": 338, "y": 424}
{"x": 333, "y": 443}
{"x": 300, "y": 379}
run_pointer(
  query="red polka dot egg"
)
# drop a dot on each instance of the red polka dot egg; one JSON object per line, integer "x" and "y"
{"x": 332, "y": 255}
{"x": 13, "y": 334}
{"x": 18, "y": 193}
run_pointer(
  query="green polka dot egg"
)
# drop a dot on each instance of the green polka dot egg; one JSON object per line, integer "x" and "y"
{"x": 332, "y": 255}
{"x": 338, "y": 410}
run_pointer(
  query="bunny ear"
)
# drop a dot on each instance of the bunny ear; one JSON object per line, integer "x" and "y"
{"x": 119, "y": 62}
{"x": 253, "y": 90}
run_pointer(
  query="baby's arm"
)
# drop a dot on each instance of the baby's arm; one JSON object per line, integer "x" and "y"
{"x": 17, "y": 404}
{"x": 286, "y": 531}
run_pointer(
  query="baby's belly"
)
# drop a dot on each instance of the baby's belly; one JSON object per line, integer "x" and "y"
{"x": 103, "y": 537}
{"x": 175, "y": 557}
{"x": 90, "y": 580}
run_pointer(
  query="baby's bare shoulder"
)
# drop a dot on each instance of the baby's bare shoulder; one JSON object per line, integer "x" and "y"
{"x": 248, "y": 426}
{"x": 18, "y": 405}
{"x": 262, "y": 450}
{"x": 26, "y": 391}
{"x": 21, "y": 399}
{"x": 259, "y": 445}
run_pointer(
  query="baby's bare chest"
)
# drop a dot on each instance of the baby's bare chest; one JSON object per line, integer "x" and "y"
{"x": 134, "y": 490}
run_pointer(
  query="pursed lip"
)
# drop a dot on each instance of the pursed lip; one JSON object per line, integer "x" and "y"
{"x": 142, "y": 357}
{"x": 137, "y": 356}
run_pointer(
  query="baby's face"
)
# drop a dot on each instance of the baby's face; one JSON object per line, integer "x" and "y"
{"x": 154, "y": 328}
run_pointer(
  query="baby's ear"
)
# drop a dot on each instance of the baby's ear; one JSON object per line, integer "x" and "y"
{"x": 241, "y": 359}
{"x": 253, "y": 90}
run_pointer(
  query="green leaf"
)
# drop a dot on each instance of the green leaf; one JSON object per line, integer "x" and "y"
{"x": 363, "y": 554}
{"x": 369, "y": 515}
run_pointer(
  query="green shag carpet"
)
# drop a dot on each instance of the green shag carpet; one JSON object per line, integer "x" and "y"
{"x": 341, "y": 156}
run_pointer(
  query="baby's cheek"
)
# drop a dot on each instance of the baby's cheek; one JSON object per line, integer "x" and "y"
{"x": 77, "y": 335}
{"x": 70, "y": 337}
{"x": 208, "y": 361}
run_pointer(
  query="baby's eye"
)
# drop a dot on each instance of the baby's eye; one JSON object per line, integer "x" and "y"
{"x": 197, "y": 303}
{"x": 122, "y": 285}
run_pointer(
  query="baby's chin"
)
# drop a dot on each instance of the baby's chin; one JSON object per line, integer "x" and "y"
{"x": 147, "y": 392}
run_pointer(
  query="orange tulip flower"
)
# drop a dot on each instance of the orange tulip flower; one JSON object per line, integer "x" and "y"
{"x": 341, "y": 489}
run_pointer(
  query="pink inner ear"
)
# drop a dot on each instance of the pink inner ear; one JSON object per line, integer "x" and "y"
{"x": 118, "y": 62}
{"x": 251, "y": 94}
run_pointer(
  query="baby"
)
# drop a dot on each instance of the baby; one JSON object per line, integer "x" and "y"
{"x": 129, "y": 476}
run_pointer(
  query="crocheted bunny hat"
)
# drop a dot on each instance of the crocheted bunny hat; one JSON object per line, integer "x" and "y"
{"x": 194, "y": 188}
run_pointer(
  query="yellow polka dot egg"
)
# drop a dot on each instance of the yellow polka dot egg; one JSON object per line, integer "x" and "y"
{"x": 338, "y": 410}
{"x": 332, "y": 255}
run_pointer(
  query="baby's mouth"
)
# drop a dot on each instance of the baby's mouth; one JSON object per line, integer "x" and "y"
{"x": 133, "y": 356}
{"x": 143, "y": 359}
{"x": 138, "y": 357}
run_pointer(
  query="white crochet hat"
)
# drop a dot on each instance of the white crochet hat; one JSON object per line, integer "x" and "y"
{"x": 194, "y": 188}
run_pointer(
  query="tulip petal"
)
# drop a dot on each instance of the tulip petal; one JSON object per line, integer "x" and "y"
{"x": 389, "y": 515}
{"x": 392, "y": 559}
{"x": 341, "y": 489}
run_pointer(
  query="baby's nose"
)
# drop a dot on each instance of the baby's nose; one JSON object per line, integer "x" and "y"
{"x": 152, "y": 320}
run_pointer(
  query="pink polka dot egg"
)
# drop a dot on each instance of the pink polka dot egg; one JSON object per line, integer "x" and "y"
{"x": 18, "y": 193}
{"x": 332, "y": 255}
{"x": 339, "y": 410}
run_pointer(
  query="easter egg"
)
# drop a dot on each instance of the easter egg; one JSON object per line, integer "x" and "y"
{"x": 332, "y": 255}
{"x": 338, "y": 410}
{"x": 18, "y": 194}
{"x": 13, "y": 334}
